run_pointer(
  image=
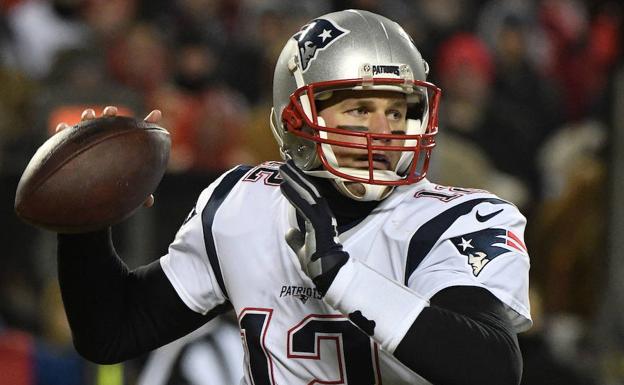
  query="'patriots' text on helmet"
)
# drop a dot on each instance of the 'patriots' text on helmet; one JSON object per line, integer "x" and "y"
{"x": 353, "y": 50}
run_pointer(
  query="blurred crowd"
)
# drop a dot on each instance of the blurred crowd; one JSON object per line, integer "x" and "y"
{"x": 527, "y": 113}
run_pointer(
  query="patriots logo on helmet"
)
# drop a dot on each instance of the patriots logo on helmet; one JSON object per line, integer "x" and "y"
{"x": 315, "y": 37}
{"x": 483, "y": 246}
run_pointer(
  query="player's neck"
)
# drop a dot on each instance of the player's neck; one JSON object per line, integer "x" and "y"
{"x": 348, "y": 212}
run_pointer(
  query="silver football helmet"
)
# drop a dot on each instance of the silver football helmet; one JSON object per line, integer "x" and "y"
{"x": 356, "y": 50}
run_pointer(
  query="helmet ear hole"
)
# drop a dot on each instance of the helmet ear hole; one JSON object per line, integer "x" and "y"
{"x": 291, "y": 120}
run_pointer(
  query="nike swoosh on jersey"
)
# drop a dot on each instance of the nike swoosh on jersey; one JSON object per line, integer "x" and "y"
{"x": 487, "y": 217}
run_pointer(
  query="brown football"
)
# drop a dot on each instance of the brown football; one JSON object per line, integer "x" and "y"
{"x": 92, "y": 175}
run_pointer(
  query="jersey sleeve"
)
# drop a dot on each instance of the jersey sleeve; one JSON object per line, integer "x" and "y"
{"x": 191, "y": 265}
{"x": 483, "y": 248}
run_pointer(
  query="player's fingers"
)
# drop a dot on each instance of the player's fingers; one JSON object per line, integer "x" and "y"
{"x": 295, "y": 177}
{"x": 295, "y": 239}
{"x": 109, "y": 111}
{"x": 87, "y": 114}
{"x": 154, "y": 116}
{"x": 61, "y": 127}
{"x": 149, "y": 202}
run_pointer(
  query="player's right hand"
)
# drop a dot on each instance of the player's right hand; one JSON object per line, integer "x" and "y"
{"x": 319, "y": 250}
{"x": 153, "y": 117}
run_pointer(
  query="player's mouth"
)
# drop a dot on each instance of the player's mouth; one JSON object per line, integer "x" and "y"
{"x": 380, "y": 162}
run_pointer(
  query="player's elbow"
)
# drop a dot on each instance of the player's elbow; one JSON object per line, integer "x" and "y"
{"x": 504, "y": 368}
{"x": 509, "y": 372}
{"x": 97, "y": 353}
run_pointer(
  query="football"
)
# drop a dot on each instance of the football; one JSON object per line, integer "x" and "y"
{"x": 92, "y": 175}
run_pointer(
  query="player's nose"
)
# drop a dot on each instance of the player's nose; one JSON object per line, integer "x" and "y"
{"x": 379, "y": 124}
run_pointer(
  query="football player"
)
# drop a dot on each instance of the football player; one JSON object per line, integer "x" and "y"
{"x": 344, "y": 264}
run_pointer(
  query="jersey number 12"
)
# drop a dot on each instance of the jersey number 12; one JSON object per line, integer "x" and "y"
{"x": 357, "y": 355}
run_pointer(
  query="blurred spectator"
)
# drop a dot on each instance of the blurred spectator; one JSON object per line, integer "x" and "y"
{"x": 204, "y": 17}
{"x": 15, "y": 360}
{"x": 212, "y": 354}
{"x": 273, "y": 27}
{"x": 139, "y": 59}
{"x": 206, "y": 118}
{"x": 262, "y": 29}
{"x": 109, "y": 20}
{"x": 257, "y": 137}
{"x": 26, "y": 359}
{"x": 78, "y": 80}
{"x": 207, "y": 130}
{"x": 176, "y": 108}
{"x": 569, "y": 228}
{"x": 466, "y": 72}
{"x": 568, "y": 239}
{"x": 248, "y": 64}
{"x": 525, "y": 110}
{"x": 7, "y": 49}
{"x": 495, "y": 15}
{"x": 582, "y": 51}
{"x": 40, "y": 28}
{"x": 196, "y": 64}
{"x": 18, "y": 295}
{"x": 56, "y": 360}
{"x": 219, "y": 126}
{"x": 541, "y": 365}
{"x": 16, "y": 139}
{"x": 439, "y": 20}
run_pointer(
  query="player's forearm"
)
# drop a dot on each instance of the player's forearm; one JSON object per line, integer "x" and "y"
{"x": 116, "y": 314}
{"x": 91, "y": 277}
{"x": 441, "y": 344}
{"x": 464, "y": 337}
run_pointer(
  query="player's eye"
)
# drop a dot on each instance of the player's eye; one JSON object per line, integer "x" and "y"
{"x": 395, "y": 115}
{"x": 358, "y": 111}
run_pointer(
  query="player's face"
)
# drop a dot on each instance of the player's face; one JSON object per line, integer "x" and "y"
{"x": 375, "y": 111}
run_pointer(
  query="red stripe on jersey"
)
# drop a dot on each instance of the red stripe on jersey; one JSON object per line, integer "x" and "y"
{"x": 519, "y": 245}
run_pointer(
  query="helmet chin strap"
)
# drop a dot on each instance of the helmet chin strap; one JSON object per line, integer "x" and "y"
{"x": 414, "y": 126}
{"x": 372, "y": 192}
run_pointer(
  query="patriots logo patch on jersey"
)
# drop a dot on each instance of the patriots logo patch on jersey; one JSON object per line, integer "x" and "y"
{"x": 483, "y": 246}
{"x": 315, "y": 37}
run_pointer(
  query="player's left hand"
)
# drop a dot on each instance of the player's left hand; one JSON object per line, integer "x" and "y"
{"x": 319, "y": 250}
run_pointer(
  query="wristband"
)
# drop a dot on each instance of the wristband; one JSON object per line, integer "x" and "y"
{"x": 381, "y": 307}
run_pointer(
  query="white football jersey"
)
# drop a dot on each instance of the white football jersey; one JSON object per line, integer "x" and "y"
{"x": 424, "y": 236}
